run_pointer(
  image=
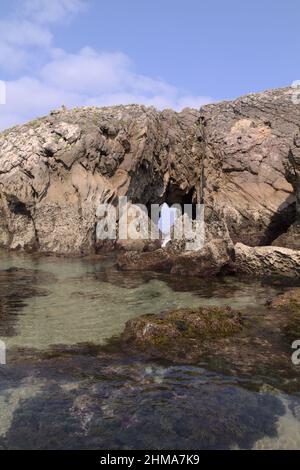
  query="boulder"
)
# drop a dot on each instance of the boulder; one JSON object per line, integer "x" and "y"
{"x": 267, "y": 261}
{"x": 157, "y": 260}
{"x": 183, "y": 256}
{"x": 214, "y": 258}
{"x": 182, "y": 333}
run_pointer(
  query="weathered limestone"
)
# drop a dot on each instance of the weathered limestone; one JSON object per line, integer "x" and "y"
{"x": 267, "y": 260}
{"x": 55, "y": 172}
{"x": 291, "y": 238}
{"x": 241, "y": 159}
{"x": 214, "y": 258}
{"x": 247, "y": 142}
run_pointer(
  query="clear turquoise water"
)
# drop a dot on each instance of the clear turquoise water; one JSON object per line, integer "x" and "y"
{"x": 62, "y": 389}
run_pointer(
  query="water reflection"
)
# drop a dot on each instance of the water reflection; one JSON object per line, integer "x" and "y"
{"x": 63, "y": 388}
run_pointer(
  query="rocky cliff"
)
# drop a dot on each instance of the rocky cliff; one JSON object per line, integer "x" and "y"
{"x": 247, "y": 143}
{"x": 54, "y": 172}
{"x": 240, "y": 158}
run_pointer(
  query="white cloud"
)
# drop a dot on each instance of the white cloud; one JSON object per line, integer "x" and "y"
{"x": 12, "y": 58}
{"x": 191, "y": 101}
{"x": 19, "y": 39}
{"x": 102, "y": 73}
{"x": 28, "y": 98}
{"x": 29, "y": 28}
{"x": 85, "y": 78}
{"x": 24, "y": 33}
{"x": 51, "y": 11}
{"x": 88, "y": 79}
{"x": 88, "y": 70}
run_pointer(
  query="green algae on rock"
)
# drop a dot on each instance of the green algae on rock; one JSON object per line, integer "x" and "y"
{"x": 290, "y": 299}
{"x": 181, "y": 334}
{"x": 289, "y": 304}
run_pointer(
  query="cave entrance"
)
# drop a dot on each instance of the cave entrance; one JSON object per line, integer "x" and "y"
{"x": 173, "y": 207}
{"x": 168, "y": 216}
{"x": 281, "y": 221}
{"x": 175, "y": 195}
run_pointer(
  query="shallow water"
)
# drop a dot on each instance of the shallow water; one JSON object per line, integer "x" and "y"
{"x": 62, "y": 388}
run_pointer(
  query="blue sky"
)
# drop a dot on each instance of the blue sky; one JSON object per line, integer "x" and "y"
{"x": 167, "y": 53}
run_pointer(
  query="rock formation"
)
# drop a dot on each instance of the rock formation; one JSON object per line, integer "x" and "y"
{"x": 182, "y": 334}
{"x": 55, "y": 172}
{"x": 239, "y": 158}
{"x": 267, "y": 260}
{"x": 288, "y": 304}
{"x": 287, "y": 301}
{"x": 214, "y": 257}
{"x": 247, "y": 146}
{"x": 292, "y": 237}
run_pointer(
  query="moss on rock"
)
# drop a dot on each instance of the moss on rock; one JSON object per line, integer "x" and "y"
{"x": 181, "y": 333}
{"x": 288, "y": 304}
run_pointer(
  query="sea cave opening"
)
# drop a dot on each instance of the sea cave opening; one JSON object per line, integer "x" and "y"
{"x": 176, "y": 202}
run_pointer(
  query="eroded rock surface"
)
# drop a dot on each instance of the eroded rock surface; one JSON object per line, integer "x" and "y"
{"x": 240, "y": 159}
{"x": 247, "y": 143}
{"x": 55, "y": 172}
{"x": 215, "y": 257}
{"x": 267, "y": 260}
{"x": 291, "y": 238}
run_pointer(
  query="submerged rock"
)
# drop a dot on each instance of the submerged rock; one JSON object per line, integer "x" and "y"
{"x": 181, "y": 334}
{"x": 288, "y": 300}
{"x": 288, "y": 304}
{"x": 17, "y": 285}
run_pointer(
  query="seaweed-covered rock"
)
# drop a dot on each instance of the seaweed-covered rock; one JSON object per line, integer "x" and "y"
{"x": 290, "y": 298}
{"x": 183, "y": 334}
{"x": 288, "y": 304}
